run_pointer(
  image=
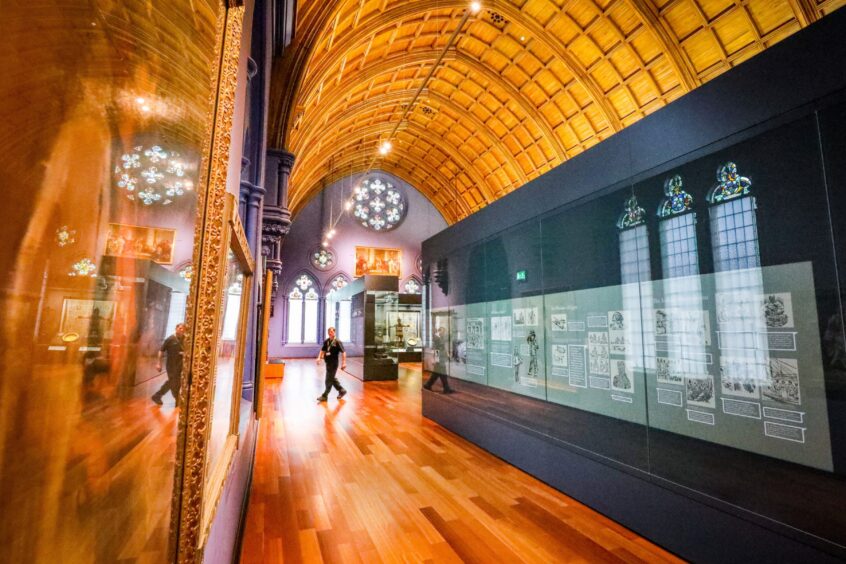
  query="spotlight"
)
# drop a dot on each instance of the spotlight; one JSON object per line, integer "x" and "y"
{"x": 385, "y": 148}
{"x": 348, "y": 205}
{"x": 325, "y": 243}
{"x": 329, "y": 235}
{"x": 140, "y": 101}
{"x": 332, "y": 233}
{"x": 475, "y": 7}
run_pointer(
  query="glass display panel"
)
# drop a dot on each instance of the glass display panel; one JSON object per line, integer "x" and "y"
{"x": 692, "y": 320}
{"x": 101, "y": 141}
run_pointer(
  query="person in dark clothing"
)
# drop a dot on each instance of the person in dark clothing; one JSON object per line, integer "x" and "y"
{"x": 173, "y": 347}
{"x": 439, "y": 345}
{"x": 329, "y": 352}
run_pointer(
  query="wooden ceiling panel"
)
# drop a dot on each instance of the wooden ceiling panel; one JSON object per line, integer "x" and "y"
{"x": 527, "y": 84}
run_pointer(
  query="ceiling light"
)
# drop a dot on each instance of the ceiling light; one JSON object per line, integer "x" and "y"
{"x": 475, "y": 7}
{"x": 140, "y": 101}
{"x": 385, "y": 148}
{"x": 332, "y": 233}
{"x": 348, "y": 205}
{"x": 325, "y": 243}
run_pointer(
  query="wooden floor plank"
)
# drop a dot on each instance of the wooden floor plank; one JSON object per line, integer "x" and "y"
{"x": 368, "y": 479}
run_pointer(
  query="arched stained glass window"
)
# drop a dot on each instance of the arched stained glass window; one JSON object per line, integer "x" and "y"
{"x": 738, "y": 279}
{"x": 303, "y": 301}
{"x": 734, "y": 226}
{"x": 338, "y": 316}
{"x": 634, "y": 270}
{"x": 679, "y": 251}
{"x": 681, "y": 319}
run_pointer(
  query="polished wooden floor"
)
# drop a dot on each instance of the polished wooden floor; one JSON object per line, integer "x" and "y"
{"x": 367, "y": 479}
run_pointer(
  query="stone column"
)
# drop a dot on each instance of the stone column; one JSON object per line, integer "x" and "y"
{"x": 276, "y": 217}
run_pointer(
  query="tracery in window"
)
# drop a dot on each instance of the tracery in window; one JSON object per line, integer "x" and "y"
{"x": 303, "y": 300}
{"x": 378, "y": 204}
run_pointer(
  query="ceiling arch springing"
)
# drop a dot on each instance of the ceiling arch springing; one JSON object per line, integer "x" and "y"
{"x": 527, "y": 85}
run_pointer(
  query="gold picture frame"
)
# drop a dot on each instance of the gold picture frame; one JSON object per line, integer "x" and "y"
{"x": 378, "y": 261}
{"x": 140, "y": 242}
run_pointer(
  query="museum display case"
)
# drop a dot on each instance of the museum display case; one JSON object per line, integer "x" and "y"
{"x": 374, "y": 304}
{"x": 682, "y": 325}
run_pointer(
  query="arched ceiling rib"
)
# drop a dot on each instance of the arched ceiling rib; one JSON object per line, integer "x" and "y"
{"x": 528, "y": 83}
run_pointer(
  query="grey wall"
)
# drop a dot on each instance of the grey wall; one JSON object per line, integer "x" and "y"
{"x": 421, "y": 222}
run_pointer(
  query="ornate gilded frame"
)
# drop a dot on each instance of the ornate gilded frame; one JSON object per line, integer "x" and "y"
{"x": 193, "y": 510}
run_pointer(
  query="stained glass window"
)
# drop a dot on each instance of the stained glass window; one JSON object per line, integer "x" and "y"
{"x": 302, "y": 311}
{"x": 412, "y": 286}
{"x": 379, "y": 205}
{"x": 152, "y": 175}
{"x": 342, "y": 323}
{"x": 323, "y": 259}
{"x": 634, "y": 269}
{"x": 734, "y": 226}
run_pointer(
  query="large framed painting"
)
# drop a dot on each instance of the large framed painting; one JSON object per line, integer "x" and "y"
{"x": 134, "y": 241}
{"x": 88, "y": 318}
{"x": 372, "y": 260}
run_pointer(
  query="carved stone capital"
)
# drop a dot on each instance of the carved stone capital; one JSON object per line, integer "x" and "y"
{"x": 285, "y": 159}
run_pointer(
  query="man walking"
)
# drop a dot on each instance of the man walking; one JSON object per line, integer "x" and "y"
{"x": 173, "y": 347}
{"x": 439, "y": 345}
{"x": 329, "y": 352}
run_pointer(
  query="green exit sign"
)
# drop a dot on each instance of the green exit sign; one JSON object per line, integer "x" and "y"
{"x": 520, "y": 276}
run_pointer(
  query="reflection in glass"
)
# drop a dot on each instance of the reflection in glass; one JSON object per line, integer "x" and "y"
{"x": 739, "y": 285}
{"x": 682, "y": 327}
{"x": 86, "y": 458}
{"x": 227, "y": 358}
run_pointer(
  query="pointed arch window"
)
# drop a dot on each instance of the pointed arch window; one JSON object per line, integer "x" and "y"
{"x": 412, "y": 286}
{"x": 303, "y": 301}
{"x": 338, "y": 316}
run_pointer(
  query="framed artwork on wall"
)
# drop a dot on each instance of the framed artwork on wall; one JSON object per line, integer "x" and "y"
{"x": 134, "y": 241}
{"x": 372, "y": 260}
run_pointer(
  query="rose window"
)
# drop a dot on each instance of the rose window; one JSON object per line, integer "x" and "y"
{"x": 379, "y": 205}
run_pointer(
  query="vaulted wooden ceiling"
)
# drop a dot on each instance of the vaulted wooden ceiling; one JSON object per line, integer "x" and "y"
{"x": 527, "y": 85}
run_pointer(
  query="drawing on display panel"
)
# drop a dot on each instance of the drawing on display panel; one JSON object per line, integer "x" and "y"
{"x": 740, "y": 376}
{"x": 782, "y": 383}
{"x": 622, "y": 376}
{"x": 88, "y": 318}
{"x": 661, "y": 323}
{"x": 558, "y": 321}
{"x": 476, "y": 333}
{"x": 559, "y": 356}
{"x": 527, "y": 316}
{"x": 667, "y": 370}
{"x": 699, "y": 391}
{"x": 617, "y": 331}
{"x": 598, "y": 353}
{"x": 777, "y": 310}
{"x": 501, "y": 328}
{"x": 532, "y": 342}
{"x": 737, "y": 307}
{"x": 516, "y": 361}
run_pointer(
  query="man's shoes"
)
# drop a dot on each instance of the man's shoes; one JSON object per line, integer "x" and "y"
{"x": 342, "y": 393}
{"x": 156, "y": 399}
{"x": 427, "y": 387}
{"x": 449, "y": 391}
{"x": 322, "y": 398}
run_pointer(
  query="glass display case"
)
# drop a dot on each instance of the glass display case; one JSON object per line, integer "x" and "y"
{"x": 371, "y": 307}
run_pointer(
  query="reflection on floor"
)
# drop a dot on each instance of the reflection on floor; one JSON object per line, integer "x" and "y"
{"x": 367, "y": 479}
{"x": 93, "y": 478}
